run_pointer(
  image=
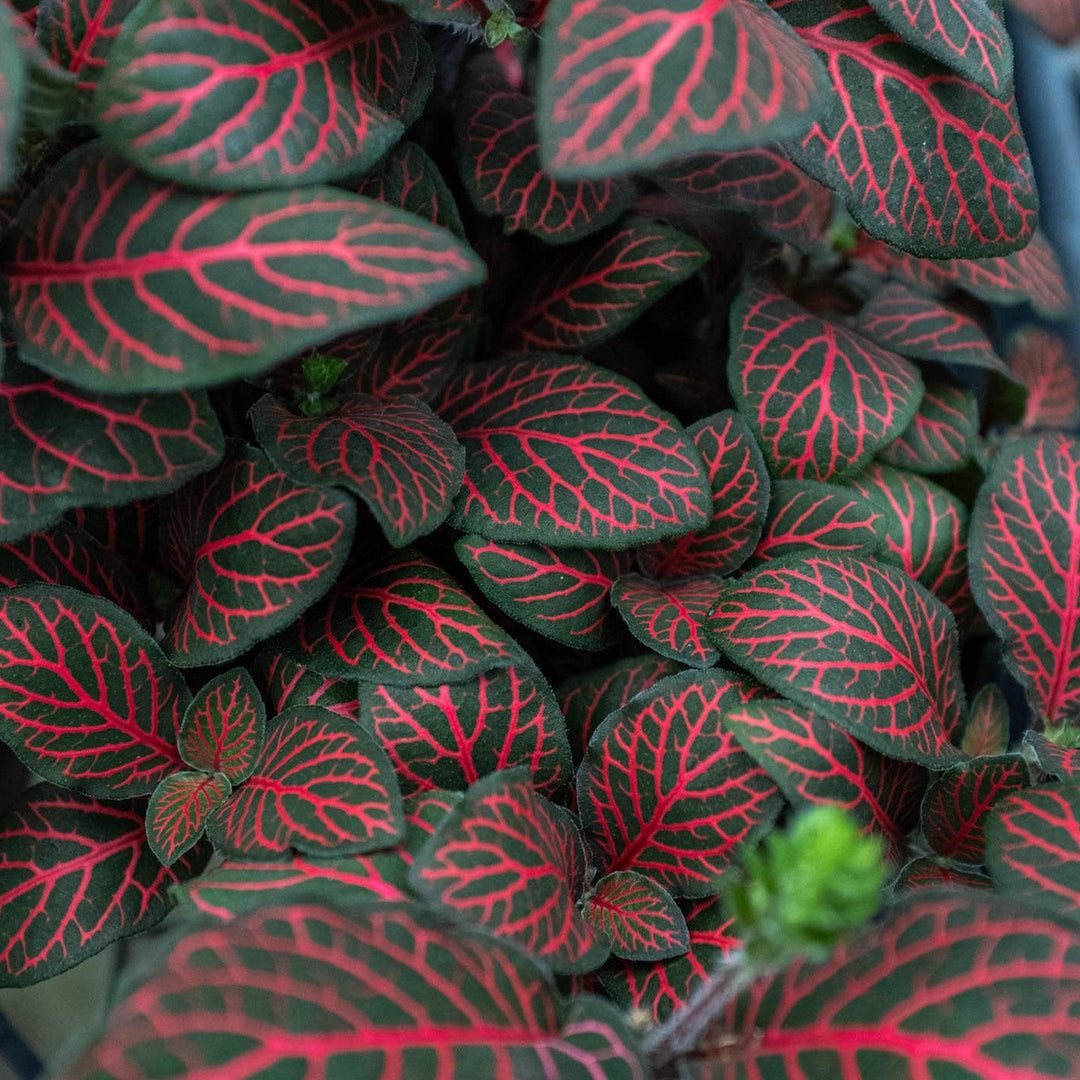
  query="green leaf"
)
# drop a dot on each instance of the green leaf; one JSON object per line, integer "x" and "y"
{"x": 177, "y": 812}
{"x": 638, "y": 917}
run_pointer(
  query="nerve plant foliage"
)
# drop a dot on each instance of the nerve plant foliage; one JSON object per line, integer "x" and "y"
{"x": 372, "y": 369}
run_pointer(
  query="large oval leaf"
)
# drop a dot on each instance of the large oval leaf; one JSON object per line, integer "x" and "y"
{"x": 562, "y": 452}
{"x": 307, "y": 988}
{"x": 665, "y": 790}
{"x": 87, "y": 698}
{"x": 1025, "y": 568}
{"x": 859, "y": 642}
{"x": 77, "y": 874}
{"x": 118, "y": 282}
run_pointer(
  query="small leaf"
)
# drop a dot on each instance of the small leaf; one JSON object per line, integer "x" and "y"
{"x": 941, "y": 435}
{"x": 986, "y": 732}
{"x": 178, "y": 809}
{"x": 638, "y": 917}
{"x": 669, "y": 617}
{"x": 322, "y": 786}
{"x": 224, "y": 727}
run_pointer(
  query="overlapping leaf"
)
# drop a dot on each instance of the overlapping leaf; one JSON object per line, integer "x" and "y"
{"x": 77, "y": 874}
{"x": 821, "y": 399}
{"x": 1025, "y": 567}
{"x": 967, "y": 982}
{"x": 404, "y": 623}
{"x": 859, "y": 642}
{"x": 827, "y": 517}
{"x": 1051, "y": 758}
{"x": 958, "y": 802}
{"x": 1033, "y": 844}
{"x": 121, "y": 283}
{"x": 669, "y": 617}
{"x": 508, "y": 861}
{"x": 79, "y": 34}
{"x": 128, "y": 531}
{"x": 353, "y": 992}
{"x": 740, "y": 500}
{"x": 61, "y": 448}
{"x": 941, "y": 435}
{"x": 285, "y": 683}
{"x": 252, "y": 550}
{"x": 783, "y": 201}
{"x": 322, "y": 786}
{"x": 209, "y": 93}
{"x": 178, "y": 810}
{"x": 600, "y": 289}
{"x": 814, "y": 761}
{"x": 560, "y": 451}
{"x": 1039, "y": 360}
{"x": 560, "y": 592}
{"x": 224, "y": 727}
{"x": 624, "y": 88}
{"x": 588, "y": 699}
{"x": 923, "y": 158}
{"x": 987, "y": 729}
{"x": 450, "y": 736}
{"x": 500, "y": 165}
{"x": 933, "y": 873}
{"x": 666, "y": 791}
{"x": 397, "y": 455}
{"x": 87, "y": 698}
{"x": 639, "y": 919}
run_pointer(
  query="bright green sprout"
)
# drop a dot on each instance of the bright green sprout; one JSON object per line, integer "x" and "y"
{"x": 502, "y": 24}
{"x": 321, "y": 375}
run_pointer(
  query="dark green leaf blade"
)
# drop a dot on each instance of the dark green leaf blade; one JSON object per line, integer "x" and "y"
{"x": 669, "y": 617}
{"x": 637, "y": 916}
{"x": 177, "y": 812}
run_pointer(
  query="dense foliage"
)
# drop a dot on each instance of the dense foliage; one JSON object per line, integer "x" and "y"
{"x": 476, "y": 478}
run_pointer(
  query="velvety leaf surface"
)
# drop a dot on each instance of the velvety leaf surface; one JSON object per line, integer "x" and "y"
{"x": 815, "y": 762}
{"x": 622, "y": 88}
{"x": 61, "y": 448}
{"x": 988, "y": 989}
{"x": 669, "y": 617}
{"x": 821, "y": 399}
{"x": 404, "y": 623}
{"x": 1033, "y": 844}
{"x": 827, "y": 517}
{"x": 285, "y": 683}
{"x": 209, "y": 92}
{"x": 986, "y": 732}
{"x": 119, "y": 282}
{"x": 398, "y": 456}
{"x": 639, "y": 919}
{"x": 560, "y": 451}
{"x": 601, "y": 288}
{"x": 859, "y": 642}
{"x": 450, "y": 736}
{"x": 177, "y": 812}
{"x": 666, "y": 791}
{"x": 1051, "y": 758}
{"x": 662, "y": 986}
{"x": 503, "y": 860}
{"x": 252, "y": 550}
{"x": 560, "y": 592}
{"x": 321, "y": 785}
{"x": 588, "y": 699}
{"x": 1025, "y": 567}
{"x": 498, "y": 148}
{"x": 957, "y": 804}
{"x": 77, "y": 874}
{"x": 79, "y": 34}
{"x": 924, "y": 159}
{"x": 87, "y": 698}
{"x": 941, "y": 435}
{"x": 224, "y": 727}
{"x": 740, "y": 500}
{"x": 933, "y": 873}
{"x": 12, "y": 87}
{"x": 1040, "y": 361}
{"x": 761, "y": 181}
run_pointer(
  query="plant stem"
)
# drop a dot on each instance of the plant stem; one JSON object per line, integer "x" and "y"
{"x": 18, "y": 1054}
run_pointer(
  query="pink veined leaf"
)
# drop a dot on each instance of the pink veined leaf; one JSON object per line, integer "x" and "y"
{"x": 942, "y": 434}
{"x": 87, "y": 698}
{"x": 322, "y": 785}
{"x": 1039, "y": 360}
{"x": 510, "y": 862}
{"x": 669, "y": 617}
{"x": 397, "y": 455}
{"x": 1059, "y": 762}
{"x": 252, "y": 551}
{"x": 932, "y": 873}
{"x": 128, "y": 531}
{"x": 627, "y": 87}
{"x": 986, "y": 732}
{"x": 178, "y": 810}
{"x": 208, "y": 92}
{"x": 639, "y": 919}
{"x": 77, "y": 874}
{"x": 224, "y": 727}
{"x": 666, "y": 791}
{"x": 285, "y": 683}
{"x": 79, "y": 34}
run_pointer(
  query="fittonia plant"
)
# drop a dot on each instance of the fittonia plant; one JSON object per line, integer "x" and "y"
{"x": 520, "y": 535}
